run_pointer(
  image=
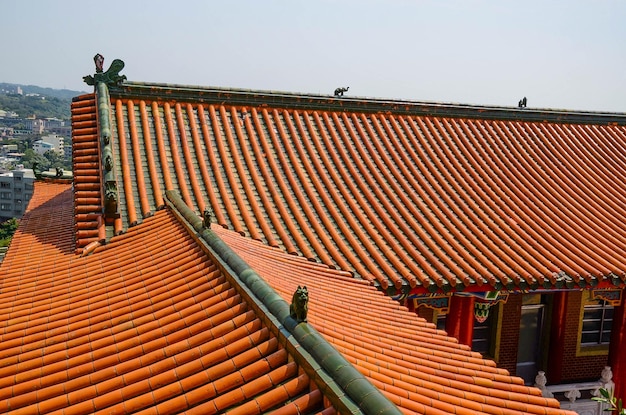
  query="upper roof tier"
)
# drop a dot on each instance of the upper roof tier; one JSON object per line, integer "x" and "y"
{"x": 411, "y": 196}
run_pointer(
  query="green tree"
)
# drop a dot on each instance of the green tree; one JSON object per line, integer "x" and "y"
{"x": 57, "y": 160}
{"x": 40, "y": 106}
{"x": 7, "y": 229}
{"x": 54, "y": 158}
{"x": 31, "y": 157}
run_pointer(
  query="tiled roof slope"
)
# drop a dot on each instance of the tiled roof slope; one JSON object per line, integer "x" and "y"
{"x": 417, "y": 366}
{"x": 149, "y": 323}
{"x": 399, "y": 197}
{"x": 146, "y": 324}
{"x": 88, "y": 224}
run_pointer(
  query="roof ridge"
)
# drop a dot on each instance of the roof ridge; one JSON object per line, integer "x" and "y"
{"x": 251, "y": 97}
{"x": 347, "y": 389}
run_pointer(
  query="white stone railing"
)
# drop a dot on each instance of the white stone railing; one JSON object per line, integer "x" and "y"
{"x": 572, "y": 392}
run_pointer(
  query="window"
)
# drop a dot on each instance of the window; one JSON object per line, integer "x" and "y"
{"x": 5, "y": 206}
{"x": 5, "y": 185}
{"x": 481, "y": 341}
{"x": 597, "y": 322}
{"x": 18, "y": 179}
{"x": 5, "y": 195}
{"x": 441, "y": 321}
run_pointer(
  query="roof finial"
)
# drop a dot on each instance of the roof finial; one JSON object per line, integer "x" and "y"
{"x": 206, "y": 218}
{"x": 110, "y": 77}
{"x": 99, "y": 61}
{"x": 522, "y": 103}
{"x": 340, "y": 91}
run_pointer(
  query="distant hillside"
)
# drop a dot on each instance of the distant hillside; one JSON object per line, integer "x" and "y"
{"x": 50, "y": 103}
{"x": 49, "y": 92}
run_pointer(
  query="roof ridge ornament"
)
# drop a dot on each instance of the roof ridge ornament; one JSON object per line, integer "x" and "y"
{"x": 522, "y": 103}
{"x": 299, "y": 306}
{"x": 110, "y": 77}
{"x": 101, "y": 82}
{"x": 206, "y": 218}
{"x": 339, "y": 91}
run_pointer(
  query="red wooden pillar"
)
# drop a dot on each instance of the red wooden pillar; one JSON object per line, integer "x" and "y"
{"x": 460, "y": 319}
{"x": 554, "y": 371}
{"x": 617, "y": 349}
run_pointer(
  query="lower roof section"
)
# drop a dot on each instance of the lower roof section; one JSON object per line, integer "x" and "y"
{"x": 146, "y": 324}
{"x": 417, "y": 367}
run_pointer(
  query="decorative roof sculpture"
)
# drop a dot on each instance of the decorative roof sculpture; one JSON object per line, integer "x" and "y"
{"x": 110, "y": 77}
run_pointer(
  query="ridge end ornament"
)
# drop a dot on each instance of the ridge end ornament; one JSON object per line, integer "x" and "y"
{"x": 110, "y": 77}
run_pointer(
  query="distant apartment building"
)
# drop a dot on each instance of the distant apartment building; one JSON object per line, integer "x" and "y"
{"x": 47, "y": 125}
{"x": 16, "y": 90}
{"x": 37, "y": 126}
{"x": 67, "y": 152}
{"x": 16, "y": 189}
{"x": 63, "y": 130}
{"x": 6, "y": 132}
{"x": 40, "y": 147}
{"x": 8, "y": 149}
{"x": 53, "y": 123}
{"x": 8, "y": 114}
{"x": 51, "y": 142}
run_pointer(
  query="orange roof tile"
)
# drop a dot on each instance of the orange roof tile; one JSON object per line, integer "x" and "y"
{"x": 86, "y": 168}
{"x": 151, "y": 323}
{"x": 418, "y": 367}
{"x": 387, "y": 192}
{"x": 147, "y": 323}
{"x": 470, "y": 198}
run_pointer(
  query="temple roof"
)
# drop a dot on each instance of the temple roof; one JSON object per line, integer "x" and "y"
{"x": 412, "y": 197}
{"x": 168, "y": 318}
{"x": 160, "y": 281}
{"x": 149, "y": 322}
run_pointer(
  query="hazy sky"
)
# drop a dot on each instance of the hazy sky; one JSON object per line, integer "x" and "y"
{"x": 560, "y": 54}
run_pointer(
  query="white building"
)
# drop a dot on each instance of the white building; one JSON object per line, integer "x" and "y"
{"x": 40, "y": 147}
{"x": 50, "y": 142}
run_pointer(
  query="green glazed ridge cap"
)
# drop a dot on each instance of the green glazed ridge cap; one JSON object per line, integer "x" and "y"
{"x": 327, "y": 102}
{"x": 322, "y": 352}
{"x": 104, "y": 109}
